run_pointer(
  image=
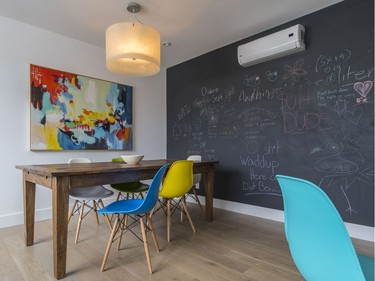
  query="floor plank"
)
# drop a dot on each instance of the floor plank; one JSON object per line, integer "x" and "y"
{"x": 232, "y": 247}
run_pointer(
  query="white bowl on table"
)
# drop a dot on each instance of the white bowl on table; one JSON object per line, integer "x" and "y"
{"x": 132, "y": 158}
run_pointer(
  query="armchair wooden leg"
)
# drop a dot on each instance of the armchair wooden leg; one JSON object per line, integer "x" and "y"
{"x": 144, "y": 237}
{"x": 110, "y": 241}
{"x": 72, "y": 210}
{"x": 187, "y": 214}
{"x": 80, "y": 220}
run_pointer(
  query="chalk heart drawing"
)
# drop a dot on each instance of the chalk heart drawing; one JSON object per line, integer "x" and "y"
{"x": 363, "y": 88}
{"x": 353, "y": 116}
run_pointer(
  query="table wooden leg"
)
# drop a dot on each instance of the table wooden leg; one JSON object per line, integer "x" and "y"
{"x": 60, "y": 207}
{"x": 29, "y": 210}
{"x": 209, "y": 192}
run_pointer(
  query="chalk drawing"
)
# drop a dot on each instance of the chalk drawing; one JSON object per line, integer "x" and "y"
{"x": 363, "y": 88}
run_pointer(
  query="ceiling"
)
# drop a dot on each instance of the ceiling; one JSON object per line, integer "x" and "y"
{"x": 194, "y": 27}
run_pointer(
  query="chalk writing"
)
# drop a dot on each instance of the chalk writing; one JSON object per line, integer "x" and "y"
{"x": 252, "y": 81}
{"x": 259, "y": 161}
{"x": 216, "y": 95}
{"x": 176, "y": 130}
{"x": 184, "y": 110}
{"x": 341, "y": 106}
{"x": 258, "y": 94}
{"x": 326, "y": 62}
{"x": 338, "y": 69}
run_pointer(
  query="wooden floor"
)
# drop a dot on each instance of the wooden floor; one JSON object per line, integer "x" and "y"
{"x": 232, "y": 247}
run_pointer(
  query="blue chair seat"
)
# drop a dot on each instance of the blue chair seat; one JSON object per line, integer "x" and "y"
{"x": 130, "y": 206}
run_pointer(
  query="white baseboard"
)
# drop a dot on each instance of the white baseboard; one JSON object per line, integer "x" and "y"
{"x": 355, "y": 230}
{"x": 40, "y": 215}
{"x": 17, "y": 218}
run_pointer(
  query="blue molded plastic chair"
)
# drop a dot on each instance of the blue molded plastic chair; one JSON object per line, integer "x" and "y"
{"x": 136, "y": 209}
{"x": 318, "y": 240}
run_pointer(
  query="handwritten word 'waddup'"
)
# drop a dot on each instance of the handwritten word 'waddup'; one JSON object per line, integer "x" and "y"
{"x": 260, "y": 162}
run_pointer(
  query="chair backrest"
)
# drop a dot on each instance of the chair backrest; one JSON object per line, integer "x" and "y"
{"x": 178, "y": 180}
{"x": 79, "y": 160}
{"x": 318, "y": 240}
{"x": 196, "y": 177}
{"x": 153, "y": 192}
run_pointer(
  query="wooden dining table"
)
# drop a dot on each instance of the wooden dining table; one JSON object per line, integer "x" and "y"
{"x": 62, "y": 177}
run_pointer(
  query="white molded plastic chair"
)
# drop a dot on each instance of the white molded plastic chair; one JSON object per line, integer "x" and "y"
{"x": 83, "y": 195}
{"x": 196, "y": 179}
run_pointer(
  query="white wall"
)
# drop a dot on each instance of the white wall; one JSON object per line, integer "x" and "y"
{"x": 22, "y": 44}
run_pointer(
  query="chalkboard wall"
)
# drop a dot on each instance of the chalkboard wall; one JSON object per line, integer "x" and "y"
{"x": 308, "y": 115}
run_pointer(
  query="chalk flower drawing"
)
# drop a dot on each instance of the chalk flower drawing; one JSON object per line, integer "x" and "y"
{"x": 295, "y": 72}
{"x": 74, "y": 112}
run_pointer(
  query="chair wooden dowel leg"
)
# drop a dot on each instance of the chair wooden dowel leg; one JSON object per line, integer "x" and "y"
{"x": 182, "y": 212}
{"x": 110, "y": 241}
{"x": 72, "y": 210}
{"x": 188, "y": 215}
{"x": 109, "y": 220}
{"x": 152, "y": 211}
{"x": 94, "y": 206}
{"x": 80, "y": 220}
{"x": 124, "y": 223}
{"x": 169, "y": 219}
{"x": 144, "y": 236}
{"x": 149, "y": 223}
{"x": 197, "y": 199}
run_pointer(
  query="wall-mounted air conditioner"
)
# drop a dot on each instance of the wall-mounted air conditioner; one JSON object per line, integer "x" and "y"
{"x": 272, "y": 46}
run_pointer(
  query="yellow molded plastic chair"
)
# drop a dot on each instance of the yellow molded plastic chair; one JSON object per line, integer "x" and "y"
{"x": 84, "y": 195}
{"x": 137, "y": 210}
{"x": 177, "y": 183}
{"x": 318, "y": 240}
{"x": 134, "y": 189}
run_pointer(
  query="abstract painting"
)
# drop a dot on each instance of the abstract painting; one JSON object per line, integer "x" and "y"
{"x": 74, "y": 112}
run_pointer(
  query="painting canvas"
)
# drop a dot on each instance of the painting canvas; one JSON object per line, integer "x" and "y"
{"x": 74, "y": 112}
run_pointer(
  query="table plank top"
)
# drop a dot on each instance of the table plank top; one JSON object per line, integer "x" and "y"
{"x": 64, "y": 169}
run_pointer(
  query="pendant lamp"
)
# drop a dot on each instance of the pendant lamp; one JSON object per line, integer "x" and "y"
{"x": 133, "y": 48}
